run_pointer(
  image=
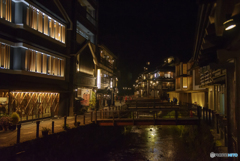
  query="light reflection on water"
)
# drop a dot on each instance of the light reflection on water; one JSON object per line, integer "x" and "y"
{"x": 153, "y": 143}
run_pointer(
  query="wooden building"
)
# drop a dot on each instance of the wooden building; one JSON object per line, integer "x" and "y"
{"x": 216, "y": 54}
{"x": 33, "y": 59}
{"x": 158, "y": 82}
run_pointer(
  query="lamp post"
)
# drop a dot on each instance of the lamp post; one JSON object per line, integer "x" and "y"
{"x": 154, "y": 90}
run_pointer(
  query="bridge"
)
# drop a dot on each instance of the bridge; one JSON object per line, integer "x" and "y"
{"x": 148, "y": 114}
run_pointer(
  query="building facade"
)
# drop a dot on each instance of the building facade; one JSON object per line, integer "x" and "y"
{"x": 216, "y": 54}
{"x": 33, "y": 59}
{"x": 187, "y": 85}
{"x": 82, "y": 47}
{"x": 47, "y": 57}
{"x": 157, "y": 83}
{"x": 107, "y": 76}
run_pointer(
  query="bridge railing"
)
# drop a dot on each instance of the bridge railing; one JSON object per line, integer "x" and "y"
{"x": 151, "y": 105}
{"x": 143, "y": 113}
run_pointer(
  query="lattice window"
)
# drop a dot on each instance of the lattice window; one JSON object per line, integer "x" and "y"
{"x": 45, "y": 24}
{"x": 4, "y": 56}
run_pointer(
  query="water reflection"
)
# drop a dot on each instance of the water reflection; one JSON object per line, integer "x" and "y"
{"x": 153, "y": 143}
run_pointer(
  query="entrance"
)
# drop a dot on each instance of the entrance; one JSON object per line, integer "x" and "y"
{"x": 34, "y": 105}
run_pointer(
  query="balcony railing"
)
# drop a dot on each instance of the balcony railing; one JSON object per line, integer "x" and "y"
{"x": 106, "y": 63}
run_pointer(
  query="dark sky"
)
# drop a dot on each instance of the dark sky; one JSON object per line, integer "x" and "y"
{"x": 147, "y": 30}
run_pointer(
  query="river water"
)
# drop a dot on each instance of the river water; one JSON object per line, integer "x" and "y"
{"x": 142, "y": 143}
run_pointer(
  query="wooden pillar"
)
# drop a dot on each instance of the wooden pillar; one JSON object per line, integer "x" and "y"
{"x": 91, "y": 116}
{"x": 229, "y": 77}
{"x": 133, "y": 118}
{"x": 37, "y": 130}
{"x": 53, "y": 126}
{"x": 154, "y": 119}
{"x": 96, "y": 117}
{"x": 209, "y": 116}
{"x": 18, "y": 133}
{"x": 65, "y": 122}
{"x": 83, "y": 119}
{"x": 237, "y": 107}
{"x": 217, "y": 119}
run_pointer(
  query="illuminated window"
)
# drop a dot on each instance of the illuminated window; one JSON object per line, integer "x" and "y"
{"x": 185, "y": 82}
{"x": 167, "y": 75}
{"x": 45, "y": 24}
{"x": 6, "y": 10}
{"x": 4, "y": 56}
{"x": 37, "y": 62}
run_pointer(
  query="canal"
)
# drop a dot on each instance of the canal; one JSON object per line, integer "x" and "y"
{"x": 160, "y": 143}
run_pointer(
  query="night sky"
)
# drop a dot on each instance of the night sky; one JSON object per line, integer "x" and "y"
{"x": 138, "y": 31}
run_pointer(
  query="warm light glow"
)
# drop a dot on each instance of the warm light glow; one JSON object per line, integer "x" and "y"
{"x": 99, "y": 78}
{"x": 230, "y": 27}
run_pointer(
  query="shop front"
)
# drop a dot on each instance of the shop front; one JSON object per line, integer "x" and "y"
{"x": 84, "y": 94}
{"x": 30, "y": 105}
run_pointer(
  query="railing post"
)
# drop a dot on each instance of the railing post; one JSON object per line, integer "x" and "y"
{"x": 203, "y": 113}
{"x": 176, "y": 115}
{"x": 217, "y": 117}
{"x": 75, "y": 120}
{"x": 53, "y": 126}
{"x": 209, "y": 116}
{"x": 37, "y": 132}
{"x": 18, "y": 133}
{"x": 113, "y": 119}
{"x": 91, "y": 116}
{"x": 83, "y": 119}
{"x": 206, "y": 110}
{"x": 199, "y": 112}
{"x": 102, "y": 113}
{"x": 96, "y": 117}
{"x": 65, "y": 122}
{"x": 133, "y": 118}
{"x": 137, "y": 114}
{"x": 225, "y": 136}
{"x": 154, "y": 119}
{"x": 213, "y": 119}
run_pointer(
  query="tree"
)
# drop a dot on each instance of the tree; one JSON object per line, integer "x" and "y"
{"x": 92, "y": 102}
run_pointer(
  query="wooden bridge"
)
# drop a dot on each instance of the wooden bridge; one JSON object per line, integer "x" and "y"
{"x": 148, "y": 116}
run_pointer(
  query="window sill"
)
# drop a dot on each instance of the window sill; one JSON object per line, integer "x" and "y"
{"x": 22, "y": 72}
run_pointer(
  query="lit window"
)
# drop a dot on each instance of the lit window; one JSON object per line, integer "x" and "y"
{"x": 37, "y": 62}
{"x": 6, "y": 10}
{"x": 185, "y": 82}
{"x": 4, "y": 56}
{"x": 45, "y": 24}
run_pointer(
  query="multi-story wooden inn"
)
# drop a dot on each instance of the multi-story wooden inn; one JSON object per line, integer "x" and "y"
{"x": 37, "y": 39}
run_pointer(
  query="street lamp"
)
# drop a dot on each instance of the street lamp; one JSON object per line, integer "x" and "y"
{"x": 229, "y": 24}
